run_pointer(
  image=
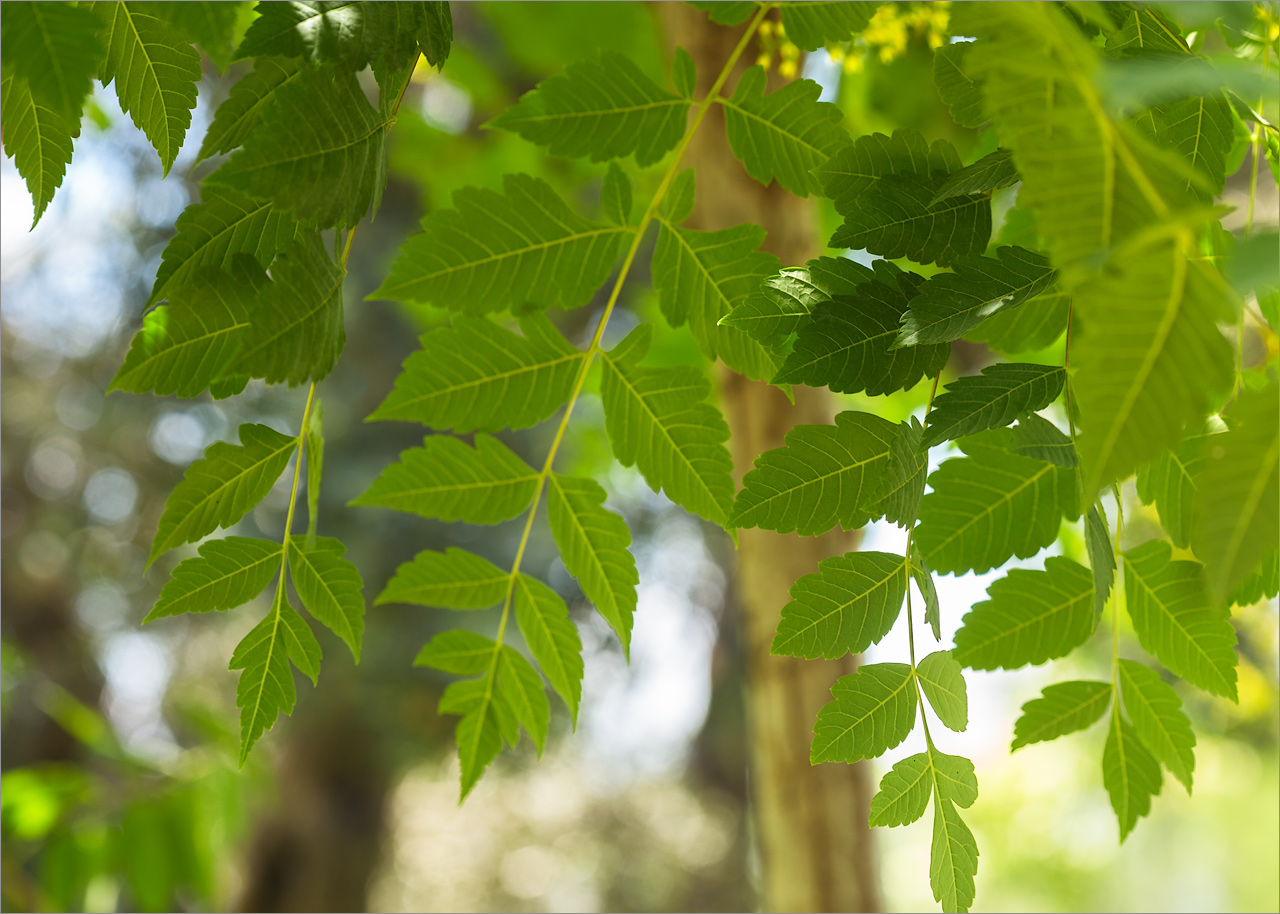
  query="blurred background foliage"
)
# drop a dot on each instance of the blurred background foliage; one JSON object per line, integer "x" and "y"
{"x": 119, "y": 789}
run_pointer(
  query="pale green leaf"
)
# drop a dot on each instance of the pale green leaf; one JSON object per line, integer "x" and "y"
{"x": 1260, "y": 584}
{"x": 1038, "y": 438}
{"x": 850, "y": 603}
{"x": 872, "y": 711}
{"x": 521, "y": 686}
{"x": 950, "y": 305}
{"x": 961, "y": 94}
{"x": 953, "y": 859}
{"x": 593, "y": 544}
{"x": 478, "y": 375}
{"x": 552, "y": 637}
{"x": 212, "y": 232}
{"x": 991, "y": 172}
{"x": 659, "y": 420}
{"x": 1130, "y": 774}
{"x": 905, "y": 791}
{"x": 330, "y": 587}
{"x": 604, "y": 108}
{"x": 1174, "y": 620}
{"x": 1146, "y": 29}
{"x": 1156, "y": 712}
{"x": 943, "y": 682}
{"x": 459, "y": 652}
{"x": 994, "y": 399}
{"x": 448, "y": 480}
{"x": 901, "y": 486}
{"x": 226, "y": 574}
{"x": 222, "y": 487}
{"x": 37, "y": 138}
{"x": 1169, "y": 482}
{"x": 821, "y": 477}
{"x": 1030, "y": 617}
{"x": 298, "y": 332}
{"x": 783, "y": 135}
{"x": 809, "y": 24}
{"x": 615, "y": 195}
{"x": 1237, "y": 494}
{"x": 236, "y": 117}
{"x": 55, "y": 48}
{"x": 496, "y": 251}
{"x": 923, "y": 577}
{"x": 1199, "y": 129}
{"x": 991, "y": 506}
{"x": 314, "y": 451}
{"x": 454, "y": 579}
{"x": 1102, "y": 558}
{"x": 155, "y": 73}
{"x": 481, "y": 731}
{"x": 701, "y": 276}
{"x": 316, "y": 153}
{"x": 1064, "y": 707}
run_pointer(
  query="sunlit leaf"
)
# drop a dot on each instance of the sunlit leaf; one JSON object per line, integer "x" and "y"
{"x": 454, "y": 579}
{"x": 1065, "y": 707}
{"x": 226, "y": 574}
{"x": 872, "y": 711}
{"x": 848, "y": 605}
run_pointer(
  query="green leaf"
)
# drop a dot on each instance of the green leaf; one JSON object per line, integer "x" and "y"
{"x": 521, "y": 686}
{"x": 943, "y": 682}
{"x": 155, "y": 73}
{"x": 454, "y": 579}
{"x": 991, "y": 172}
{"x": 953, "y": 859}
{"x": 783, "y": 135}
{"x": 1038, "y": 438}
{"x": 659, "y": 420}
{"x": 314, "y": 450}
{"x": 317, "y": 31}
{"x": 210, "y": 23}
{"x": 901, "y": 485}
{"x": 435, "y": 36}
{"x": 222, "y": 488}
{"x": 821, "y": 477}
{"x": 237, "y": 117}
{"x": 604, "y": 108}
{"x": 1033, "y": 325}
{"x": 391, "y": 42}
{"x": 593, "y": 544}
{"x": 809, "y": 24}
{"x": 961, "y": 94}
{"x": 1031, "y": 617}
{"x": 1156, "y": 712}
{"x": 497, "y": 251}
{"x": 1102, "y": 558}
{"x": 265, "y": 688}
{"x": 726, "y": 12}
{"x": 950, "y": 305}
{"x": 990, "y": 506}
{"x": 1260, "y": 584}
{"x": 446, "y": 479}
{"x": 212, "y": 232}
{"x": 1064, "y": 707}
{"x": 227, "y": 573}
{"x": 459, "y": 652}
{"x": 552, "y": 638}
{"x": 615, "y": 195}
{"x": 1200, "y": 129}
{"x": 872, "y": 711}
{"x": 852, "y": 171}
{"x": 846, "y": 345}
{"x": 480, "y": 732}
{"x": 55, "y": 48}
{"x": 37, "y": 138}
{"x": 1237, "y": 494}
{"x": 1130, "y": 774}
{"x": 187, "y": 345}
{"x": 701, "y": 276}
{"x": 905, "y": 790}
{"x": 848, "y": 605}
{"x": 923, "y": 577}
{"x": 684, "y": 73}
{"x": 1145, "y": 29}
{"x": 297, "y": 326}
{"x": 677, "y": 203}
{"x": 1174, "y": 620}
{"x": 994, "y": 399}
{"x": 317, "y": 153}
{"x": 330, "y": 587}
{"x": 478, "y": 375}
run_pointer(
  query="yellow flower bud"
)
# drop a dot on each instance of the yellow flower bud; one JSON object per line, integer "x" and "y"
{"x": 787, "y": 68}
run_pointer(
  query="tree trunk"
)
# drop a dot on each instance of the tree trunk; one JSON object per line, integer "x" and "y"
{"x": 811, "y": 822}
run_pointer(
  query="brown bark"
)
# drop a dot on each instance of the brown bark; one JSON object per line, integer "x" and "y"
{"x": 811, "y": 822}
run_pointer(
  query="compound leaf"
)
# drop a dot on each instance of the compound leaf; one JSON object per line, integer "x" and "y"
{"x": 227, "y": 573}
{"x": 943, "y": 682}
{"x": 552, "y": 638}
{"x": 659, "y": 420}
{"x": 1063, "y": 708}
{"x": 222, "y": 487}
{"x": 905, "y": 790}
{"x": 1156, "y": 712}
{"x": 1130, "y": 774}
{"x": 1174, "y": 621}
{"x": 55, "y": 48}
{"x": 236, "y": 117}
{"x": 478, "y": 375}
{"x": 459, "y": 652}
{"x": 850, "y": 603}
{"x": 1001, "y": 394}
{"x": 593, "y": 544}
{"x": 448, "y": 480}
{"x": 783, "y": 135}
{"x": 822, "y": 476}
{"x": 480, "y": 732}
{"x": 1031, "y": 617}
{"x": 453, "y": 579}
{"x": 330, "y": 587}
{"x": 872, "y": 711}
{"x": 604, "y": 108}
{"x": 496, "y": 251}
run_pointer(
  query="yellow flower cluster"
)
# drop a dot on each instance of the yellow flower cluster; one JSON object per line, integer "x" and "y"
{"x": 890, "y": 30}
{"x": 773, "y": 40}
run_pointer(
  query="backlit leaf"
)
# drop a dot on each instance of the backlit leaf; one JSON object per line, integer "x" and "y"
{"x": 905, "y": 791}
{"x": 961, "y": 94}
{"x": 991, "y": 172}
{"x": 55, "y": 48}
{"x": 615, "y": 195}
{"x": 923, "y": 577}
{"x": 459, "y": 652}
{"x": 953, "y": 859}
{"x": 454, "y": 579}
{"x": 1064, "y": 707}
{"x": 236, "y": 117}
{"x": 943, "y": 682}
{"x": 1169, "y": 482}
{"x": 872, "y": 711}
{"x": 521, "y": 686}
{"x": 552, "y": 638}
{"x": 226, "y": 574}
{"x": 901, "y": 486}
{"x": 330, "y": 587}
{"x": 1130, "y": 774}
{"x": 994, "y": 399}
{"x": 265, "y": 688}
{"x": 37, "y": 138}
{"x": 848, "y": 605}
{"x": 1156, "y": 712}
{"x": 1038, "y": 438}
{"x": 1102, "y": 558}
{"x": 810, "y": 24}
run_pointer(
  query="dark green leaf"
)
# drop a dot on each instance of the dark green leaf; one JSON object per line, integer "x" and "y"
{"x": 854, "y": 169}
{"x": 37, "y": 138}
{"x": 615, "y": 195}
{"x": 55, "y": 48}
{"x": 1064, "y": 708}
{"x": 901, "y": 486}
{"x": 435, "y": 36}
{"x": 872, "y": 711}
{"x": 961, "y": 94}
{"x": 991, "y": 172}
{"x": 848, "y": 605}
{"x": 236, "y": 117}
{"x": 318, "y": 31}
{"x": 1033, "y": 325}
{"x": 209, "y": 23}
{"x": 994, "y": 399}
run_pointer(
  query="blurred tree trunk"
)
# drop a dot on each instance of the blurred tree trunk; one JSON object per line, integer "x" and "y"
{"x": 811, "y": 822}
